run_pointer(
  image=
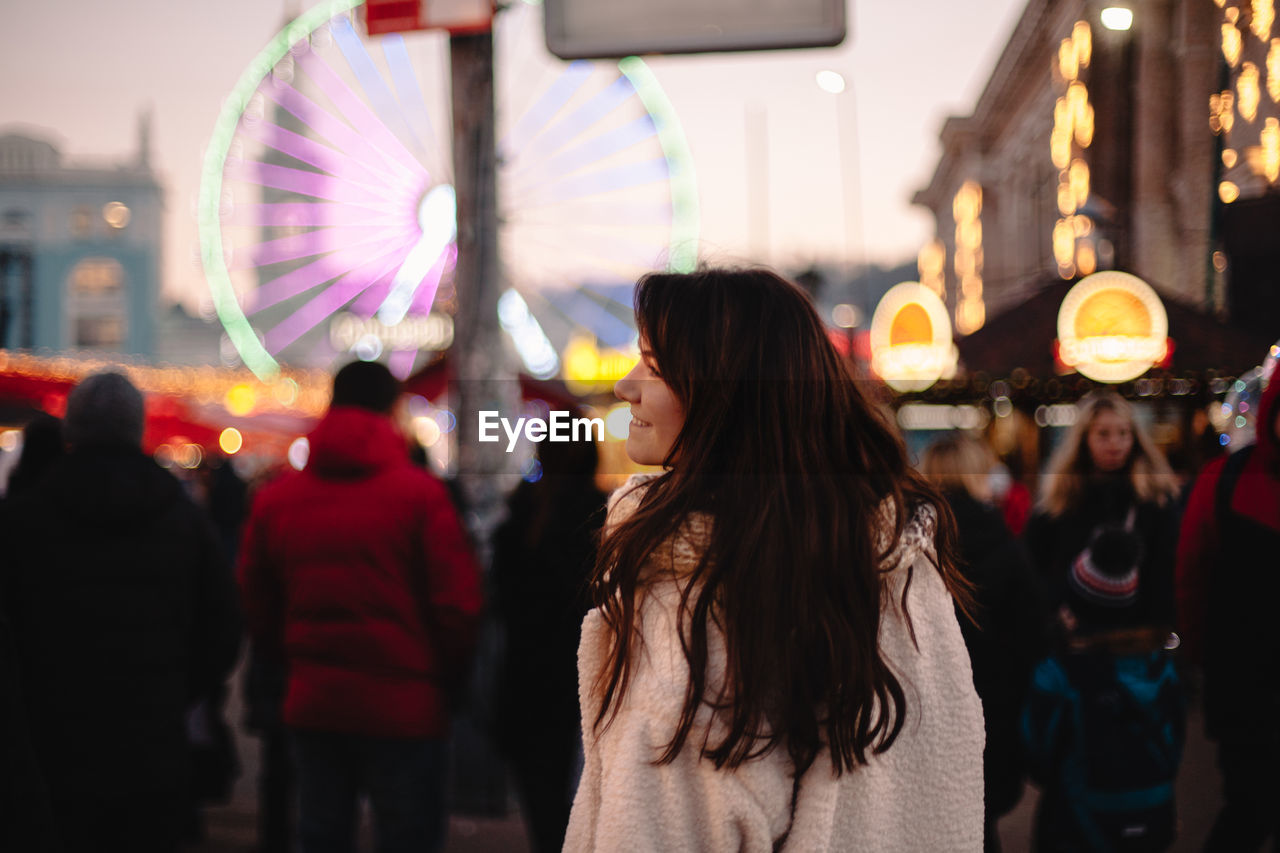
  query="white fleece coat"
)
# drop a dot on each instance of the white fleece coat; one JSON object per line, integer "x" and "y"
{"x": 923, "y": 794}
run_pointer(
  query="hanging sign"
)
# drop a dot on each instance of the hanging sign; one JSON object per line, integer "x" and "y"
{"x": 1112, "y": 327}
{"x": 457, "y": 16}
{"x": 911, "y": 346}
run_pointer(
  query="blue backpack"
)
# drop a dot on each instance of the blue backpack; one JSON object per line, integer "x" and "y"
{"x": 1104, "y": 735}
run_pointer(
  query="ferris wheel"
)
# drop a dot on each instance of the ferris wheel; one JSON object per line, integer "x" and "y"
{"x": 327, "y": 210}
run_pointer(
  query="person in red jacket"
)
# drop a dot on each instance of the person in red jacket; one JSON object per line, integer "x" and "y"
{"x": 358, "y": 569}
{"x": 1227, "y": 588}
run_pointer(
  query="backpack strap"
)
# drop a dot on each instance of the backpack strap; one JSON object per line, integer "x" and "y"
{"x": 1227, "y": 479}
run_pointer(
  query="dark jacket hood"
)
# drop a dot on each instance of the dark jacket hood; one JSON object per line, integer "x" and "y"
{"x": 354, "y": 442}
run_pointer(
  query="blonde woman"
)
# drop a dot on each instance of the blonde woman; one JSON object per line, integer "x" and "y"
{"x": 1108, "y": 476}
{"x": 1006, "y": 638}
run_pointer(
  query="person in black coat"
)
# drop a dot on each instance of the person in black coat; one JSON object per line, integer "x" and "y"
{"x": 543, "y": 555}
{"x": 1006, "y": 636}
{"x": 124, "y": 614}
{"x": 1107, "y": 475}
{"x": 42, "y": 446}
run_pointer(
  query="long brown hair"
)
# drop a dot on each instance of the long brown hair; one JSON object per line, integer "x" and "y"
{"x": 1146, "y": 469}
{"x": 782, "y": 452}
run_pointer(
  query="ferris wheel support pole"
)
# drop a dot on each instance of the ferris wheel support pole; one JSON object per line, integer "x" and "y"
{"x": 485, "y": 378}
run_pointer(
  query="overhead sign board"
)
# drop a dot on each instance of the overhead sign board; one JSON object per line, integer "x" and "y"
{"x": 456, "y": 16}
{"x": 596, "y": 29}
{"x": 1112, "y": 327}
{"x": 911, "y": 346}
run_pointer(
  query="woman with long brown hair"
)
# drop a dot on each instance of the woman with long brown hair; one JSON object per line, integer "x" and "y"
{"x": 774, "y": 660}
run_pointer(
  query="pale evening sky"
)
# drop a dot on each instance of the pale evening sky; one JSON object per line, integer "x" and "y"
{"x": 80, "y": 71}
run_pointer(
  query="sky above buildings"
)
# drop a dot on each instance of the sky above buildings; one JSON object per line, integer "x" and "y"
{"x": 788, "y": 174}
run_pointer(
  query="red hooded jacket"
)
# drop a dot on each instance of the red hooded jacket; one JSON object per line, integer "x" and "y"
{"x": 1256, "y": 497}
{"x": 359, "y": 567}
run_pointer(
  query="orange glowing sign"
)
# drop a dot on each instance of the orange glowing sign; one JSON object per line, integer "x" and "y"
{"x": 911, "y": 345}
{"x": 1112, "y": 327}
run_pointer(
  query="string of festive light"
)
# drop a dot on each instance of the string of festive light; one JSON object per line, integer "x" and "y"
{"x": 1073, "y": 126}
{"x": 297, "y": 392}
{"x": 966, "y": 209}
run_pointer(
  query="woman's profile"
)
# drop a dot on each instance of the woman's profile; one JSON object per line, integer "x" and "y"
{"x": 774, "y": 660}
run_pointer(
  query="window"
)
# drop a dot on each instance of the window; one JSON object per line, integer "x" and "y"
{"x": 107, "y": 332}
{"x": 97, "y": 314}
{"x": 97, "y": 277}
{"x": 82, "y": 222}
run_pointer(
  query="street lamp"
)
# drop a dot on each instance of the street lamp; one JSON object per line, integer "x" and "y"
{"x": 833, "y": 83}
{"x": 847, "y": 317}
{"x": 1117, "y": 18}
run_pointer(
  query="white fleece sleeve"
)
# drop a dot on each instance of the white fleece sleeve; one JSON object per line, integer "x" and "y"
{"x": 627, "y": 802}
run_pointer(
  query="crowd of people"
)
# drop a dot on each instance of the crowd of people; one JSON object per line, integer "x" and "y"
{"x": 789, "y": 635}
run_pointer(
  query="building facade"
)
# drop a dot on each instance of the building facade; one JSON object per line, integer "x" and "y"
{"x": 79, "y": 249}
{"x": 1090, "y": 148}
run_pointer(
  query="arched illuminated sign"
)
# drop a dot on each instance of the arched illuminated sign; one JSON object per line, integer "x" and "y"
{"x": 1112, "y": 327}
{"x": 911, "y": 344}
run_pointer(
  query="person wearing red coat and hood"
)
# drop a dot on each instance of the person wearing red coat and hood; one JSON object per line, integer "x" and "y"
{"x": 359, "y": 570}
{"x": 1228, "y": 584}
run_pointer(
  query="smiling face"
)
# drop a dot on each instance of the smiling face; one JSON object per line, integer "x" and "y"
{"x": 656, "y": 413}
{"x": 1110, "y": 440}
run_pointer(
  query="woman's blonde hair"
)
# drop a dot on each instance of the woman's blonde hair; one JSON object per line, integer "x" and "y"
{"x": 1146, "y": 469}
{"x": 959, "y": 462}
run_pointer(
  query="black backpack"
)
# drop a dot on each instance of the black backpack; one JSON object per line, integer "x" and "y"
{"x": 1132, "y": 718}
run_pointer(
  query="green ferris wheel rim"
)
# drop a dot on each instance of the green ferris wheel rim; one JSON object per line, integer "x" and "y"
{"x": 682, "y": 252}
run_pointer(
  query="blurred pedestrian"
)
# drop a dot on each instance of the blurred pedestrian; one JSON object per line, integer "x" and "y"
{"x": 1006, "y": 636}
{"x": 1106, "y": 717}
{"x": 26, "y": 816}
{"x": 124, "y": 615}
{"x": 543, "y": 555}
{"x": 42, "y": 446}
{"x": 262, "y": 690}
{"x": 1228, "y": 586}
{"x": 774, "y": 660}
{"x": 357, "y": 571}
{"x": 1106, "y": 473}
{"x": 1011, "y": 493}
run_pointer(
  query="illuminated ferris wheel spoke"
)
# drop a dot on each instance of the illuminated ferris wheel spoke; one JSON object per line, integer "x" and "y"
{"x": 313, "y": 184}
{"x": 298, "y": 246}
{"x": 596, "y": 183}
{"x": 324, "y": 269}
{"x": 316, "y": 154}
{"x": 412, "y": 102}
{"x": 558, "y": 133}
{"x": 285, "y": 214}
{"x": 368, "y": 303}
{"x": 379, "y": 95}
{"x": 596, "y": 263}
{"x": 426, "y": 295}
{"x": 594, "y": 214}
{"x": 568, "y": 84}
{"x": 337, "y": 131}
{"x": 619, "y": 311}
{"x": 582, "y": 156}
{"x": 401, "y": 361}
{"x": 358, "y": 113}
{"x": 333, "y": 299}
{"x": 608, "y": 245}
